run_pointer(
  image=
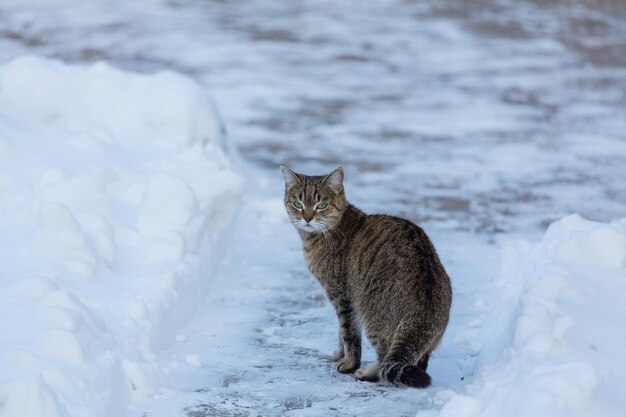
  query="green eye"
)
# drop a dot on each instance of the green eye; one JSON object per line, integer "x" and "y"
{"x": 297, "y": 204}
{"x": 321, "y": 206}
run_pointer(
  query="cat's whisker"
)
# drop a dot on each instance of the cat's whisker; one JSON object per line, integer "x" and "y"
{"x": 331, "y": 229}
{"x": 327, "y": 239}
{"x": 337, "y": 231}
{"x": 339, "y": 236}
{"x": 331, "y": 238}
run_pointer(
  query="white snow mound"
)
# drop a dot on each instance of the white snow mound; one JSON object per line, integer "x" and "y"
{"x": 114, "y": 187}
{"x": 112, "y": 105}
{"x": 554, "y": 345}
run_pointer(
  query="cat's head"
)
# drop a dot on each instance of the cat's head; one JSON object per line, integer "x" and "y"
{"x": 314, "y": 203}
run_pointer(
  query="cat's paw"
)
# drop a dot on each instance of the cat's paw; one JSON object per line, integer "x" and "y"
{"x": 370, "y": 374}
{"x": 338, "y": 354}
{"x": 346, "y": 365}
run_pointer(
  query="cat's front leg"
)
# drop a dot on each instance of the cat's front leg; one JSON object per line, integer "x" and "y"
{"x": 349, "y": 338}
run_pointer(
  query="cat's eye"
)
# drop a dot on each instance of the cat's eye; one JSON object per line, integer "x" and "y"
{"x": 321, "y": 206}
{"x": 297, "y": 205}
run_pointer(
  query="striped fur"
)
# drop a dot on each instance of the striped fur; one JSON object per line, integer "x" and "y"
{"x": 382, "y": 275}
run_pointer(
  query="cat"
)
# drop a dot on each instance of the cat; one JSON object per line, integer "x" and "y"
{"x": 381, "y": 274}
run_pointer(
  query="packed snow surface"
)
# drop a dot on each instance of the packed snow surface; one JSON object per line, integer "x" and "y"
{"x": 114, "y": 188}
{"x": 484, "y": 121}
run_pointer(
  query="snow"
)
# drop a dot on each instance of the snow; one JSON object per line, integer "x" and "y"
{"x": 115, "y": 189}
{"x": 555, "y": 348}
{"x": 168, "y": 107}
{"x": 194, "y": 360}
{"x": 140, "y": 276}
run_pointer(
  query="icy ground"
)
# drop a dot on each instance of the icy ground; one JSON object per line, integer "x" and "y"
{"x": 483, "y": 121}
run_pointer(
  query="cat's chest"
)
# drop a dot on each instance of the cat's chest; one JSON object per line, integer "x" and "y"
{"x": 322, "y": 260}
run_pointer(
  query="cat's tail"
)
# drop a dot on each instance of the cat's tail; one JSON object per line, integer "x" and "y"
{"x": 402, "y": 373}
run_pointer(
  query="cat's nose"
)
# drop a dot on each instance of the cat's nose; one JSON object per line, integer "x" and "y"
{"x": 308, "y": 216}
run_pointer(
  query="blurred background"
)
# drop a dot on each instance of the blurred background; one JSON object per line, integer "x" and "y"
{"x": 481, "y": 120}
{"x": 479, "y": 115}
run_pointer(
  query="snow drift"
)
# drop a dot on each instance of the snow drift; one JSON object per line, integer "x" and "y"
{"x": 114, "y": 187}
{"x": 554, "y": 346}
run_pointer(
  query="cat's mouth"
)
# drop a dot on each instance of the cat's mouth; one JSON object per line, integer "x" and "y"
{"x": 309, "y": 227}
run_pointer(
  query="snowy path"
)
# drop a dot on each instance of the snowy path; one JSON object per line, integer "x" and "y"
{"x": 265, "y": 335}
{"x": 481, "y": 120}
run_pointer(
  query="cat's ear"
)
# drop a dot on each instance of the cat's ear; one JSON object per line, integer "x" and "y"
{"x": 334, "y": 180}
{"x": 291, "y": 178}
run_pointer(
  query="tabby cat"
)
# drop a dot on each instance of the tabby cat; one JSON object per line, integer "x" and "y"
{"x": 381, "y": 273}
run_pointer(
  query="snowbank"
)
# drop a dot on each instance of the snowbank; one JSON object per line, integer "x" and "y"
{"x": 113, "y": 190}
{"x": 554, "y": 345}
